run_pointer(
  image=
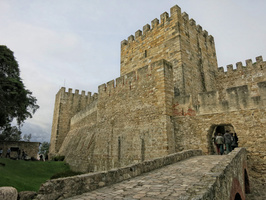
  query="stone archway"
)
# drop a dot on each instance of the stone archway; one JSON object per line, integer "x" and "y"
{"x": 212, "y": 133}
{"x": 238, "y": 197}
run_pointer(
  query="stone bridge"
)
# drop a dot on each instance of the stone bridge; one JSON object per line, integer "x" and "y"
{"x": 185, "y": 175}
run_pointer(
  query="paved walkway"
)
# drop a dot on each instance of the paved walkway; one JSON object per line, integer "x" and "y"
{"x": 165, "y": 183}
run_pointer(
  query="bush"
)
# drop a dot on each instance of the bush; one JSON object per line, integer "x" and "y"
{"x": 66, "y": 173}
{"x": 58, "y": 158}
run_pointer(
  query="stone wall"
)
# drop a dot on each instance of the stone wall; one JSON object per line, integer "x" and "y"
{"x": 197, "y": 132}
{"x": 249, "y": 74}
{"x": 67, "y": 104}
{"x": 70, "y": 186}
{"x": 131, "y": 122}
{"x": 227, "y": 179}
{"x": 30, "y": 148}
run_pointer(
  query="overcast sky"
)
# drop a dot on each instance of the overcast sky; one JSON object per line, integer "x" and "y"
{"x": 76, "y": 43}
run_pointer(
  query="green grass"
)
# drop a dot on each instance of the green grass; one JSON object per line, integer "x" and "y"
{"x": 28, "y": 175}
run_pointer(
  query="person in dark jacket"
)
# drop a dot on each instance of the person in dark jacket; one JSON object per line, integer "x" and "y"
{"x": 234, "y": 141}
{"x": 228, "y": 141}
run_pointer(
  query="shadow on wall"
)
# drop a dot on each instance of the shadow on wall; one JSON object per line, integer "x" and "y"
{"x": 213, "y": 132}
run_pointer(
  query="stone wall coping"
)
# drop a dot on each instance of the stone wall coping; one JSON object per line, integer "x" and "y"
{"x": 71, "y": 186}
{"x": 207, "y": 187}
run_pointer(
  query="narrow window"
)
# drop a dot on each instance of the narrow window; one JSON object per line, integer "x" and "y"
{"x": 145, "y": 54}
{"x": 119, "y": 149}
{"x": 142, "y": 150}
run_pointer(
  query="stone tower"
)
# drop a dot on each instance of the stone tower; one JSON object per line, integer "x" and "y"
{"x": 180, "y": 41}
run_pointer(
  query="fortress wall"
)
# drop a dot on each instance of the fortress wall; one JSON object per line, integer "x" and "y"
{"x": 233, "y": 99}
{"x": 87, "y": 116}
{"x": 67, "y": 105}
{"x": 133, "y": 122}
{"x": 249, "y": 75}
{"x": 195, "y": 132}
{"x": 180, "y": 41}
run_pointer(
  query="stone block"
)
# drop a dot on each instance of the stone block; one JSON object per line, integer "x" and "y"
{"x": 8, "y": 193}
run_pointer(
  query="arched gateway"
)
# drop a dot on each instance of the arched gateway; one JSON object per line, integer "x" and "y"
{"x": 213, "y": 132}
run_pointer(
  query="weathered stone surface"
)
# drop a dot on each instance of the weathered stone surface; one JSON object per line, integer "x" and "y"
{"x": 26, "y": 195}
{"x": 202, "y": 177}
{"x": 8, "y": 193}
{"x": 70, "y": 186}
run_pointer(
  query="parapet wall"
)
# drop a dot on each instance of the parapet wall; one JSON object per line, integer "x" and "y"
{"x": 227, "y": 179}
{"x": 71, "y": 186}
{"x": 239, "y": 89}
{"x": 249, "y": 75}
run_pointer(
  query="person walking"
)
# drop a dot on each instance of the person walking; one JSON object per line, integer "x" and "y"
{"x": 235, "y": 141}
{"x": 8, "y": 153}
{"x": 1, "y": 152}
{"x": 220, "y": 142}
{"x": 216, "y": 145}
{"x": 228, "y": 141}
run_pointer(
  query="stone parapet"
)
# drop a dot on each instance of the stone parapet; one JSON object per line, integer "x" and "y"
{"x": 227, "y": 180}
{"x": 71, "y": 186}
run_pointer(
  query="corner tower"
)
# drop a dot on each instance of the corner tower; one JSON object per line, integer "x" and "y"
{"x": 177, "y": 39}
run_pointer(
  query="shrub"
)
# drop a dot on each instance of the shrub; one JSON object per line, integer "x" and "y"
{"x": 58, "y": 158}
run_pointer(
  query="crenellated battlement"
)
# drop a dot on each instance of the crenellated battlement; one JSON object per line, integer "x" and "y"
{"x": 140, "y": 76}
{"x": 77, "y": 93}
{"x": 241, "y": 69}
{"x": 175, "y": 16}
{"x": 236, "y": 98}
{"x": 179, "y": 40}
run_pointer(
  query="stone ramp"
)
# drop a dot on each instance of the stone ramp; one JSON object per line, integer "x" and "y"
{"x": 170, "y": 182}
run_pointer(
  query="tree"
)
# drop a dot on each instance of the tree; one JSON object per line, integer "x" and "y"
{"x": 44, "y": 148}
{"x": 27, "y": 138}
{"x": 10, "y": 133}
{"x": 16, "y": 102}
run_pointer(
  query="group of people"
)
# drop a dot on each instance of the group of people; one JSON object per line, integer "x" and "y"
{"x": 7, "y": 153}
{"x": 19, "y": 155}
{"x": 226, "y": 142}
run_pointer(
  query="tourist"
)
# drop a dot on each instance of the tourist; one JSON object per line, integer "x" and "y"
{"x": 228, "y": 141}
{"x": 220, "y": 142}
{"x": 19, "y": 152}
{"x": 234, "y": 141}
{"x": 216, "y": 145}
{"x": 1, "y": 152}
{"x": 23, "y": 155}
{"x": 8, "y": 153}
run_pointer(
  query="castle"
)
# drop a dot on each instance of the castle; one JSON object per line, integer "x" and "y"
{"x": 171, "y": 96}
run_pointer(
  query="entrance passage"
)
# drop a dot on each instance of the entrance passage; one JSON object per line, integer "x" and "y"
{"x": 238, "y": 197}
{"x": 220, "y": 129}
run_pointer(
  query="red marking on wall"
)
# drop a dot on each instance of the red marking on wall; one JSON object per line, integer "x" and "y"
{"x": 181, "y": 112}
{"x": 236, "y": 188}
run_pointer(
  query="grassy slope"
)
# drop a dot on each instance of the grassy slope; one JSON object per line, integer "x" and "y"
{"x": 28, "y": 175}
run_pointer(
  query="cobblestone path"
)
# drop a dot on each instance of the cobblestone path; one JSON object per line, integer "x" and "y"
{"x": 166, "y": 183}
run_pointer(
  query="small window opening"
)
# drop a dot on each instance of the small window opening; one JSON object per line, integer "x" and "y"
{"x": 119, "y": 149}
{"x": 145, "y": 54}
